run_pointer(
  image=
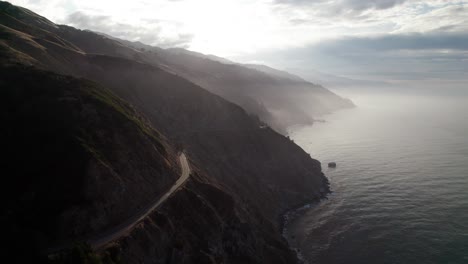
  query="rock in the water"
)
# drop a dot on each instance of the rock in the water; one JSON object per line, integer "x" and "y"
{"x": 332, "y": 165}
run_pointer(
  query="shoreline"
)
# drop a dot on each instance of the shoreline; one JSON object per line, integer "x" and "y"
{"x": 297, "y": 211}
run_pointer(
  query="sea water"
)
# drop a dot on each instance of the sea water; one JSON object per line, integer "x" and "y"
{"x": 400, "y": 189}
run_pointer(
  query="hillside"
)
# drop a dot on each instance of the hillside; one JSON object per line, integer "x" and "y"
{"x": 278, "y": 98}
{"x": 79, "y": 158}
{"x": 246, "y": 175}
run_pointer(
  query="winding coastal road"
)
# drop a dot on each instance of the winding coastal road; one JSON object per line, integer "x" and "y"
{"x": 127, "y": 226}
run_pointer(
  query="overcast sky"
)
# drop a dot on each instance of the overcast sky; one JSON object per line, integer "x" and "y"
{"x": 390, "y": 40}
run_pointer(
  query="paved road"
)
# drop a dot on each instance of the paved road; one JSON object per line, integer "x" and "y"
{"x": 127, "y": 226}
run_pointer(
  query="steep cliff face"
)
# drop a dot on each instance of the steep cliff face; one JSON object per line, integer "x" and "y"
{"x": 84, "y": 161}
{"x": 247, "y": 174}
{"x": 79, "y": 159}
{"x": 203, "y": 224}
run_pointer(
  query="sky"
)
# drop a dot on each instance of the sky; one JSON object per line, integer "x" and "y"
{"x": 394, "y": 41}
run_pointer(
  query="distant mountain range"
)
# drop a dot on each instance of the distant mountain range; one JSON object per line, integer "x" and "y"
{"x": 339, "y": 82}
{"x": 94, "y": 126}
{"x": 278, "y": 98}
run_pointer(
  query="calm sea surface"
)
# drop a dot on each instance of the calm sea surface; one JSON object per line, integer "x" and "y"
{"x": 400, "y": 190}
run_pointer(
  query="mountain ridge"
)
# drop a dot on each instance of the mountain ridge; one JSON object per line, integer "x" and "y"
{"x": 245, "y": 174}
{"x": 247, "y": 85}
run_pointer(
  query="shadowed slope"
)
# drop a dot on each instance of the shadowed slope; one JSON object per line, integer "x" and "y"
{"x": 247, "y": 174}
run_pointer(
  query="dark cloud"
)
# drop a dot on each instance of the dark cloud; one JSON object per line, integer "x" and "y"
{"x": 338, "y": 7}
{"x": 414, "y": 41}
{"x": 149, "y": 32}
{"x": 360, "y": 5}
{"x": 439, "y": 55}
{"x": 356, "y": 5}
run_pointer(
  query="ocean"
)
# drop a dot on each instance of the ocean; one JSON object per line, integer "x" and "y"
{"x": 400, "y": 188}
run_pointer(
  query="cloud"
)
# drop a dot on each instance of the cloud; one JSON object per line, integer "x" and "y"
{"x": 387, "y": 39}
{"x": 395, "y": 57}
{"x": 413, "y": 41}
{"x": 162, "y": 33}
{"x": 449, "y": 17}
{"x": 342, "y": 6}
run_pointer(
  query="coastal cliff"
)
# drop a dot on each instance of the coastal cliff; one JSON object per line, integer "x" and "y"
{"x": 95, "y": 137}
